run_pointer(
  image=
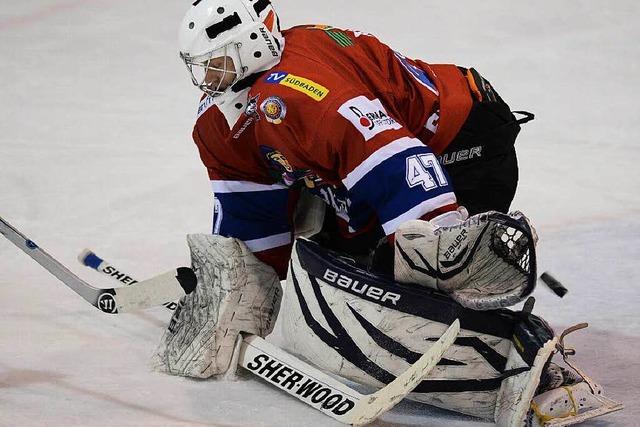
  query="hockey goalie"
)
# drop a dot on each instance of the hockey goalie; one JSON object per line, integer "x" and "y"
{"x": 378, "y": 187}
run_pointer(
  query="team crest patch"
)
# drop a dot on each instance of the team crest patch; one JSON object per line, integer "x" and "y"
{"x": 368, "y": 116}
{"x": 310, "y": 88}
{"x": 280, "y": 166}
{"x": 274, "y": 109}
{"x": 282, "y": 171}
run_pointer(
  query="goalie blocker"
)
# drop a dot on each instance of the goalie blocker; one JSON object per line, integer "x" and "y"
{"x": 369, "y": 329}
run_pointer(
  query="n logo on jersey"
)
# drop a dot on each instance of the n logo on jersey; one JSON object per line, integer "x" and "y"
{"x": 368, "y": 116}
{"x": 276, "y": 77}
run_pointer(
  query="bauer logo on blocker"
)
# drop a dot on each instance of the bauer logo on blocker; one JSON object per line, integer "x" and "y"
{"x": 368, "y": 116}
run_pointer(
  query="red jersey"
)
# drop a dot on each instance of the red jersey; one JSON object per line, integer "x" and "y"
{"x": 343, "y": 115}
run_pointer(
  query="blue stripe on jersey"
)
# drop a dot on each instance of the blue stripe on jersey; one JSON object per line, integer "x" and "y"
{"x": 251, "y": 215}
{"x": 402, "y": 182}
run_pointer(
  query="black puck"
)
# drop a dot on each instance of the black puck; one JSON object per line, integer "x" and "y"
{"x": 553, "y": 284}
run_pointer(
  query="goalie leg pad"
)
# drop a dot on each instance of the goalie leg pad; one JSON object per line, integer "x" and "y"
{"x": 367, "y": 328}
{"x": 485, "y": 263}
{"x": 235, "y": 293}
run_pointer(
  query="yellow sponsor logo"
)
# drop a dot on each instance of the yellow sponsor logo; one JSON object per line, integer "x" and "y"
{"x": 306, "y": 86}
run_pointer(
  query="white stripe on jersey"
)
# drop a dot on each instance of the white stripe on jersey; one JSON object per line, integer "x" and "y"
{"x": 422, "y": 209}
{"x": 269, "y": 242}
{"x": 243, "y": 187}
{"x": 382, "y": 154}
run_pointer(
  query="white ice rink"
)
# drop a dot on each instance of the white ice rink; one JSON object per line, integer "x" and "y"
{"x": 95, "y": 151}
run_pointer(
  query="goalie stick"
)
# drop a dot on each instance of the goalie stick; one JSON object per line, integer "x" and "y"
{"x": 169, "y": 286}
{"x": 287, "y": 372}
{"x": 312, "y": 386}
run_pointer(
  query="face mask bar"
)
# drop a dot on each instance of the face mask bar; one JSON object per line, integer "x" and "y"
{"x": 217, "y": 65}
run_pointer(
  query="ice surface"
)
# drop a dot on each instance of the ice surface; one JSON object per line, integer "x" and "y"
{"x": 96, "y": 152}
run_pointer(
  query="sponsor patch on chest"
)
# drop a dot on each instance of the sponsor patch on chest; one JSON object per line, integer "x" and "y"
{"x": 314, "y": 90}
{"x": 368, "y": 116}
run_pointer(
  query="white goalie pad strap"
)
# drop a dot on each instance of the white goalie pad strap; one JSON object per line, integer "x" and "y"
{"x": 516, "y": 392}
{"x": 235, "y": 293}
{"x": 486, "y": 262}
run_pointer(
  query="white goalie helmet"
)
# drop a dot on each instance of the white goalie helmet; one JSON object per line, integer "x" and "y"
{"x": 230, "y": 39}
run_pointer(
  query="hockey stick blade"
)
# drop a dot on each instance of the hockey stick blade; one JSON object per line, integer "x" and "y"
{"x": 90, "y": 259}
{"x": 328, "y": 395}
{"x": 148, "y": 293}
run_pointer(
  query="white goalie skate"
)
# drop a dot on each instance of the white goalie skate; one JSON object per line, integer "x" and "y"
{"x": 572, "y": 398}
